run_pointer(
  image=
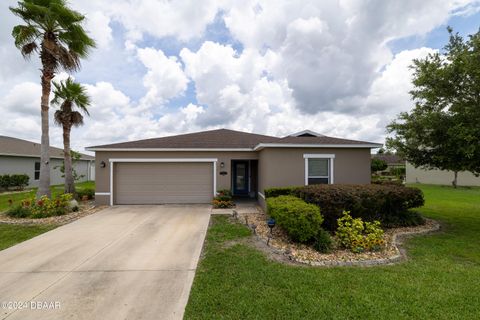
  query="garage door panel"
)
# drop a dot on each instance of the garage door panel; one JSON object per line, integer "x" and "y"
{"x": 156, "y": 183}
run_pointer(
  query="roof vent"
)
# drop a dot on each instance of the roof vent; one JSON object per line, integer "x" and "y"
{"x": 306, "y": 133}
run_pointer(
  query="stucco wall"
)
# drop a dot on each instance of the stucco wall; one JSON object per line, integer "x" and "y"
{"x": 103, "y": 174}
{"x": 286, "y": 167}
{"x": 441, "y": 177}
{"x": 276, "y": 167}
{"x": 26, "y": 165}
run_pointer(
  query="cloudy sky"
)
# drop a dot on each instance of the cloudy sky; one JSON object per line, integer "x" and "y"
{"x": 274, "y": 67}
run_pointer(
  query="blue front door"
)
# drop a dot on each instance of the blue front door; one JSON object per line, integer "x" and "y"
{"x": 240, "y": 177}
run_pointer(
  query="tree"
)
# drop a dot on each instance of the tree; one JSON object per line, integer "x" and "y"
{"x": 69, "y": 95}
{"x": 378, "y": 165}
{"x": 55, "y": 32}
{"x": 442, "y": 131}
{"x": 76, "y": 156}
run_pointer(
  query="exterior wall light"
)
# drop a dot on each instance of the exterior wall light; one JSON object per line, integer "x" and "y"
{"x": 102, "y": 164}
{"x": 222, "y": 164}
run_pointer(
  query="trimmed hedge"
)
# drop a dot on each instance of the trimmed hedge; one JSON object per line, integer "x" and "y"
{"x": 299, "y": 219}
{"x": 386, "y": 203}
{"x": 282, "y": 191}
{"x": 17, "y": 181}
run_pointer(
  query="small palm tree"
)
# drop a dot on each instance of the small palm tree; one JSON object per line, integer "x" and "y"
{"x": 69, "y": 95}
{"x": 55, "y": 32}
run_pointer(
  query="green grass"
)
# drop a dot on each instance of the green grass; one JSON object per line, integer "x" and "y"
{"x": 13, "y": 234}
{"x": 28, "y": 194}
{"x": 439, "y": 281}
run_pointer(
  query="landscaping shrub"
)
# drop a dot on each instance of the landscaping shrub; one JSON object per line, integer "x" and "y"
{"x": 369, "y": 202}
{"x": 18, "y": 181}
{"x": 359, "y": 236}
{"x": 323, "y": 242}
{"x": 282, "y": 191}
{"x": 42, "y": 208}
{"x": 299, "y": 219}
{"x": 223, "y": 199}
{"x": 87, "y": 193}
{"x": 5, "y": 181}
{"x": 46, "y": 207}
{"x": 408, "y": 218}
{"x": 18, "y": 211}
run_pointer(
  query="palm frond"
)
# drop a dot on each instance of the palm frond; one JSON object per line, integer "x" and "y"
{"x": 28, "y": 49}
{"x": 76, "y": 119}
{"x": 69, "y": 94}
{"x": 24, "y": 34}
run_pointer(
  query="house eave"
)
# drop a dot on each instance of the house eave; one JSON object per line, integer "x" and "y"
{"x": 169, "y": 149}
{"x": 292, "y": 145}
{"x": 36, "y": 156}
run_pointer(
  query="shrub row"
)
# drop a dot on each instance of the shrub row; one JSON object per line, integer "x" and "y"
{"x": 369, "y": 202}
{"x": 390, "y": 204}
{"x": 17, "y": 181}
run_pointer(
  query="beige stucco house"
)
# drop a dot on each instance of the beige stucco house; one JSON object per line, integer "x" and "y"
{"x": 191, "y": 168}
{"x": 19, "y": 156}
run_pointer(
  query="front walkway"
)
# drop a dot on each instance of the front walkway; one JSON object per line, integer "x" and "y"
{"x": 125, "y": 262}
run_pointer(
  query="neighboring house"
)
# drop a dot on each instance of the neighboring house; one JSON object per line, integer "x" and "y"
{"x": 442, "y": 177}
{"x": 19, "y": 156}
{"x": 393, "y": 161}
{"x": 190, "y": 168}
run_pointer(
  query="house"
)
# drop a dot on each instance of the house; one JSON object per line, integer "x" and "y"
{"x": 190, "y": 168}
{"x": 393, "y": 161}
{"x": 19, "y": 156}
{"x": 441, "y": 177}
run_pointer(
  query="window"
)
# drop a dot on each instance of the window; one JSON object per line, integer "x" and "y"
{"x": 36, "y": 173}
{"x": 318, "y": 168}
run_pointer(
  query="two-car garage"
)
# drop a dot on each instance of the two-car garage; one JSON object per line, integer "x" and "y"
{"x": 162, "y": 181}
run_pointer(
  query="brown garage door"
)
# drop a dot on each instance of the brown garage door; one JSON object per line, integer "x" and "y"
{"x": 157, "y": 183}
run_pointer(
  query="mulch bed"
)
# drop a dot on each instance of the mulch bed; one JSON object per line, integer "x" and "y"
{"x": 85, "y": 208}
{"x": 279, "y": 243}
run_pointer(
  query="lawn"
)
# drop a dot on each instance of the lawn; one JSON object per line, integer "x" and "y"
{"x": 440, "y": 280}
{"x": 13, "y": 234}
{"x": 19, "y": 196}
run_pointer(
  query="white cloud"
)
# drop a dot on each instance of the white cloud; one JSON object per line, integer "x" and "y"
{"x": 164, "y": 79}
{"x": 322, "y": 65}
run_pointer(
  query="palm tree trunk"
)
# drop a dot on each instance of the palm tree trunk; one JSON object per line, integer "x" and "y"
{"x": 69, "y": 182}
{"x": 44, "y": 183}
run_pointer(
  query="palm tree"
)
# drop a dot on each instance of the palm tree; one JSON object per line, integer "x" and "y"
{"x": 69, "y": 95}
{"x": 56, "y": 33}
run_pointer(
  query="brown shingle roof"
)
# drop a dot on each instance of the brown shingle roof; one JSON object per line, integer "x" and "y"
{"x": 221, "y": 139}
{"x": 19, "y": 147}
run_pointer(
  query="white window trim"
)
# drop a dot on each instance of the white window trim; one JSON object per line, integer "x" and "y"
{"x": 155, "y": 160}
{"x": 331, "y": 157}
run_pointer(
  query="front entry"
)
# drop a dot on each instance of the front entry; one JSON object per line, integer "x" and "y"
{"x": 241, "y": 177}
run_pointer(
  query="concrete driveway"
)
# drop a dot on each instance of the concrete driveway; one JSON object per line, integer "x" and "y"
{"x": 125, "y": 262}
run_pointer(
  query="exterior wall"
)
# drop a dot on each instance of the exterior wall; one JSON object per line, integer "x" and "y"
{"x": 26, "y": 165}
{"x": 280, "y": 167}
{"x": 102, "y": 184}
{"x": 442, "y": 177}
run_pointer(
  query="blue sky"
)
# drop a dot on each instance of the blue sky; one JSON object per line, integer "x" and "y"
{"x": 267, "y": 66}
